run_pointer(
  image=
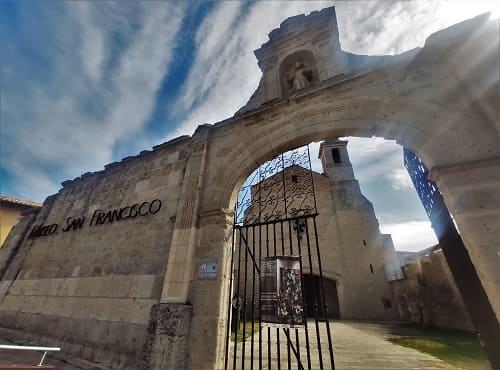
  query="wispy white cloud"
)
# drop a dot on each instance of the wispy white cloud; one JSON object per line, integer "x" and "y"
{"x": 222, "y": 81}
{"x": 378, "y": 27}
{"x": 210, "y": 43}
{"x": 93, "y": 44}
{"x": 74, "y": 120}
{"x": 374, "y": 158}
{"x": 104, "y": 63}
{"x": 400, "y": 179}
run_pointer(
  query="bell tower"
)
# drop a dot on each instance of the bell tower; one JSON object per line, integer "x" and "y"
{"x": 344, "y": 186}
{"x": 335, "y": 160}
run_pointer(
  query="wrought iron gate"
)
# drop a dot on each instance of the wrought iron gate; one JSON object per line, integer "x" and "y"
{"x": 275, "y": 223}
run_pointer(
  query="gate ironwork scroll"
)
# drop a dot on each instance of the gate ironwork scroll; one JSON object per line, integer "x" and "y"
{"x": 275, "y": 235}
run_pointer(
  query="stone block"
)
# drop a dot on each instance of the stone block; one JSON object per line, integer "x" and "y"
{"x": 81, "y": 307}
{"x": 26, "y": 287}
{"x": 104, "y": 286}
{"x": 30, "y": 303}
{"x": 141, "y": 186}
{"x": 4, "y": 287}
{"x": 84, "y": 287}
{"x": 120, "y": 309}
{"x": 11, "y": 303}
{"x": 167, "y": 343}
{"x": 139, "y": 312}
{"x": 100, "y": 308}
{"x": 202, "y": 353}
{"x": 55, "y": 286}
{"x": 68, "y": 287}
{"x": 141, "y": 286}
{"x": 120, "y": 285}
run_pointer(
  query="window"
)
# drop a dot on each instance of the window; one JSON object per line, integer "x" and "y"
{"x": 387, "y": 303}
{"x": 336, "y": 155}
{"x": 371, "y": 268}
{"x": 295, "y": 178}
{"x": 364, "y": 242}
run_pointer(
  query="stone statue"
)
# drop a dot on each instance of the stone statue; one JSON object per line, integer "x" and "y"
{"x": 299, "y": 78}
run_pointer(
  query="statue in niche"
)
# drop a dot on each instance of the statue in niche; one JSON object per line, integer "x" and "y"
{"x": 299, "y": 77}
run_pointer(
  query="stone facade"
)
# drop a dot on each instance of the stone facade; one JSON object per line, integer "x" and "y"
{"x": 428, "y": 294}
{"x": 91, "y": 289}
{"x": 355, "y": 256}
{"x": 11, "y": 210}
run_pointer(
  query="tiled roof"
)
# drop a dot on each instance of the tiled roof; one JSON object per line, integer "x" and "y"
{"x": 23, "y": 202}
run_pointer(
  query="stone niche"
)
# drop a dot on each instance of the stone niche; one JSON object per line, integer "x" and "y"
{"x": 298, "y": 71}
{"x": 308, "y": 44}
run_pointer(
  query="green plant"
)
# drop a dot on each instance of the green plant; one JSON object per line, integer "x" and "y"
{"x": 459, "y": 348}
{"x": 249, "y": 331}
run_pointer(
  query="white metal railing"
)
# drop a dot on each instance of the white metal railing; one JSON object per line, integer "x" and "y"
{"x": 31, "y": 348}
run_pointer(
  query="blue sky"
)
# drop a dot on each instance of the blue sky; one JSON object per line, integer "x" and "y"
{"x": 87, "y": 83}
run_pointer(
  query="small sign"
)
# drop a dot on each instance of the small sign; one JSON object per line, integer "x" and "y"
{"x": 208, "y": 270}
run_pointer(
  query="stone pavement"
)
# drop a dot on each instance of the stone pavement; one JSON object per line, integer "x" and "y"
{"x": 364, "y": 346}
{"x": 61, "y": 360}
{"x": 357, "y": 345}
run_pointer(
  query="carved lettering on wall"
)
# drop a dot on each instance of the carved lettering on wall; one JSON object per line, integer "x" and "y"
{"x": 99, "y": 217}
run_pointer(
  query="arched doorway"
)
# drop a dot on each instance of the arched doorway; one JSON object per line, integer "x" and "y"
{"x": 312, "y": 284}
{"x": 412, "y": 99}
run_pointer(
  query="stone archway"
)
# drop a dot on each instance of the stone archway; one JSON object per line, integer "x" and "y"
{"x": 442, "y": 110}
{"x": 440, "y": 101}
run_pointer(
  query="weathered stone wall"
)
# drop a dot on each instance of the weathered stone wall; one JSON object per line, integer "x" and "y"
{"x": 93, "y": 287}
{"x": 166, "y": 346}
{"x": 428, "y": 294}
{"x": 354, "y": 250}
{"x": 13, "y": 244}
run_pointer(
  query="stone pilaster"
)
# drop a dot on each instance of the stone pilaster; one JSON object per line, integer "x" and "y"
{"x": 166, "y": 346}
{"x": 471, "y": 192}
{"x": 179, "y": 270}
{"x": 211, "y": 296}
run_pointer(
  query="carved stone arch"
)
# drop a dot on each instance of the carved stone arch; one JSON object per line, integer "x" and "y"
{"x": 287, "y": 69}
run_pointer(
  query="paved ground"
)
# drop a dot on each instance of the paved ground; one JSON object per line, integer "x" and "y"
{"x": 62, "y": 362}
{"x": 364, "y": 346}
{"x": 356, "y": 346}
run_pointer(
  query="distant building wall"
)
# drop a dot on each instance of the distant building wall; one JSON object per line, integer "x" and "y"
{"x": 428, "y": 295}
{"x": 11, "y": 210}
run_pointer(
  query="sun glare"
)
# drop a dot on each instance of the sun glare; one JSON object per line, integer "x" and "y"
{"x": 458, "y": 10}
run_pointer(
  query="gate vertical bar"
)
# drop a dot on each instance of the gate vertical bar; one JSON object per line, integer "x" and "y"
{"x": 253, "y": 300}
{"x": 327, "y": 322}
{"x": 308, "y": 354}
{"x": 244, "y": 304}
{"x": 260, "y": 305}
{"x": 277, "y": 329}
{"x": 297, "y": 341}
{"x": 237, "y": 297}
{"x": 230, "y": 295}
{"x": 268, "y": 328}
{"x": 316, "y": 296}
{"x": 289, "y": 363}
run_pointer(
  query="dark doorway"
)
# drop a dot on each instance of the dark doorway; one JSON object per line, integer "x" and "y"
{"x": 314, "y": 299}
